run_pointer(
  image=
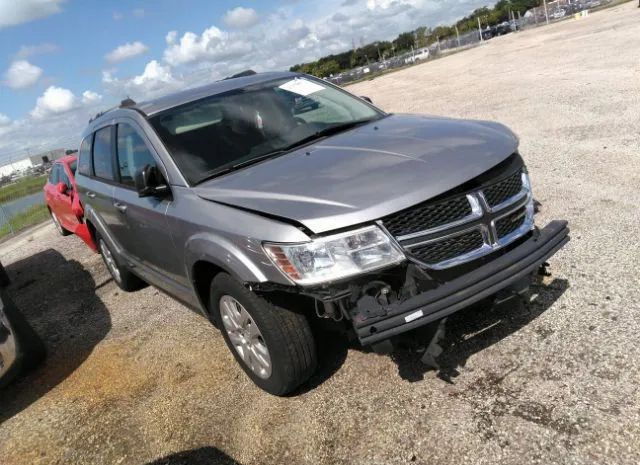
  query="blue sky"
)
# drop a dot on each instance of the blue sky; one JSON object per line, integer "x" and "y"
{"x": 63, "y": 60}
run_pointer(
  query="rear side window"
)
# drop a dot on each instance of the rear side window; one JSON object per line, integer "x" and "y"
{"x": 84, "y": 156}
{"x": 54, "y": 176}
{"x": 102, "y": 162}
{"x": 62, "y": 176}
{"x": 133, "y": 154}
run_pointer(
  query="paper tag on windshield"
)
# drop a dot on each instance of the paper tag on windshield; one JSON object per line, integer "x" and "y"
{"x": 414, "y": 316}
{"x": 301, "y": 86}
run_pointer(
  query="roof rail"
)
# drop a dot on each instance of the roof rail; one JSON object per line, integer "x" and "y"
{"x": 248, "y": 72}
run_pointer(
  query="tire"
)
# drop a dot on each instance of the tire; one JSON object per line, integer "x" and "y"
{"x": 124, "y": 278}
{"x": 30, "y": 350}
{"x": 56, "y": 222}
{"x": 286, "y": 335}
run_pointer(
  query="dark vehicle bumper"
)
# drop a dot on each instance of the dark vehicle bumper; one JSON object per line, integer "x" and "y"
{"x": 487, "y": 280}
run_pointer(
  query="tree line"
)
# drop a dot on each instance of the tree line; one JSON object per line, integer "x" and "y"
{"x": 418, "y": 38}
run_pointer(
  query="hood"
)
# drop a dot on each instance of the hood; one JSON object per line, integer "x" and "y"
{"x": 366, "y": 173}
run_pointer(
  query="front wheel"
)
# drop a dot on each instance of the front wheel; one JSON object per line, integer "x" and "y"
{"x": 274, "y": 345}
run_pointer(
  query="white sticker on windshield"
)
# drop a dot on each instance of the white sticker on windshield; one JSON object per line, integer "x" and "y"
{"x": 414, "y": 316}
{"x": 301, "y": 86}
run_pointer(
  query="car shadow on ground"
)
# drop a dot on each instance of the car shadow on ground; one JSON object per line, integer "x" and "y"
{"x": 477, "y": 328}
{"x": 201, "y": 456}
{"x": 58, "y": 299}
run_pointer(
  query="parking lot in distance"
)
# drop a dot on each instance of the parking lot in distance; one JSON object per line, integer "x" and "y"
{"x": 132, "y": 378}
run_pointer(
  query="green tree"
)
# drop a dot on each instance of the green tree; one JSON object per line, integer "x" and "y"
{"x": 328, "y": 68}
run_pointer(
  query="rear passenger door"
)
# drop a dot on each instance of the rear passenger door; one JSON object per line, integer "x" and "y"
{"x": 148, "y": 238}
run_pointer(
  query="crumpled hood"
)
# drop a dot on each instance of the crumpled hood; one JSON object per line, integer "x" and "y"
{"x": 366, "y": 173}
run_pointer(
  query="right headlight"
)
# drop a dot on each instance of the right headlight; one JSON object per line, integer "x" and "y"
{"x": 335, "y": 257}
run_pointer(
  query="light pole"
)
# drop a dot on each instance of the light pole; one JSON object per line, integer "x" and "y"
{"x": 546, "y": 11}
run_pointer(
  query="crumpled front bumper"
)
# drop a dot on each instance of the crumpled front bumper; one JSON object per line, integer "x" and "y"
{"x": 465, "y": 290}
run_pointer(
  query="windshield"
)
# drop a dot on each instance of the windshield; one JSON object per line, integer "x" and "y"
{"x": 212, "y": 135}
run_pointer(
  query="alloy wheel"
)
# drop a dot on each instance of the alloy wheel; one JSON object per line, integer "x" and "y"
{"x": 56, "y": 222}
{"x": 110, "y": 261}
{"x": 245, "y": 336}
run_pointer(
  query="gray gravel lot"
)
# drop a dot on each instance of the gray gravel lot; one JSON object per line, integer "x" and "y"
{"x": 133, "y": 378}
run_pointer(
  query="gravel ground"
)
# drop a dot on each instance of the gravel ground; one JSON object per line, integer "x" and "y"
{"x": 137, "y": 378}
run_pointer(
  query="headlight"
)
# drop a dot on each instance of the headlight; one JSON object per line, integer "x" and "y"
{"x": 335, "y": 257}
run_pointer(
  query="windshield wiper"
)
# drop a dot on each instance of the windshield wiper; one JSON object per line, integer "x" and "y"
{"x": 237, "y": 166}
{"x": 305, "y": 140}
{"x": 323, "y": 133}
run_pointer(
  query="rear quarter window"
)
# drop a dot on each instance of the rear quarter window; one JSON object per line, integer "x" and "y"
{"x": 102, "y": 154}
{"x": 84, "y": 156}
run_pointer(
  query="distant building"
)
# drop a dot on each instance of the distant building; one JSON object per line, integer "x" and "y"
{"x": 46, "y": 157}
{"x": 15, "y": 166}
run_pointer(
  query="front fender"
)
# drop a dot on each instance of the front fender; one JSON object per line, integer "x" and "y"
{"x": 246, "y": 263}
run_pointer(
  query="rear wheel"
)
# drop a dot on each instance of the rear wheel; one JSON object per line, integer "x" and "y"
{"x": 274, "y": 345}
{"x": 124, "y": 278}
{"x": 56, "y": 223}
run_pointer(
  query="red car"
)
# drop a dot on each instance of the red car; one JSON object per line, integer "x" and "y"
{"x": 63, "y": 201}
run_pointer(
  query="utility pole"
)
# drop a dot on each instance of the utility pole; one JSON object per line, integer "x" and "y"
{"x": 480, "y": 30}
{"x": 546, "y": 11}
{"x": 458, "y": 35}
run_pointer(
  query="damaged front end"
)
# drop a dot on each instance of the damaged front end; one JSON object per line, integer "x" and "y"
{"x": 382, "y": 305}
{"x": 475, "y": 242}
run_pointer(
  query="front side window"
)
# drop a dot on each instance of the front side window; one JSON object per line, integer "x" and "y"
{"x": 133, "y": 154}
{"x": 84, "y": 156}
{"x": 102, "y": 165}
{"x": 227, "y": 131}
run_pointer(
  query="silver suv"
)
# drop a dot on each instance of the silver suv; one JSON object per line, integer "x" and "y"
{"x": 266, "y": 200}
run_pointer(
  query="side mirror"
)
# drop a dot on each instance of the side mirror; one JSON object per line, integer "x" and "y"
{"x": 61, "y": 188}
{"x": 366, "y": 99}
{"x": 149, "y": 183}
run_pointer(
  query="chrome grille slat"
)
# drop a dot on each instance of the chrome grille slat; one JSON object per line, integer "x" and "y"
{"x": 496, "y": 216}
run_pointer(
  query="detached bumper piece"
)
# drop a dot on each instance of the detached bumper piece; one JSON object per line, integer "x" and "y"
{"x": 468, "y": 289}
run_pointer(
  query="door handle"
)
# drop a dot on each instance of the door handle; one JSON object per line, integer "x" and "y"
{"x": 122, "y": 208}
{"x": 91, "y": 195}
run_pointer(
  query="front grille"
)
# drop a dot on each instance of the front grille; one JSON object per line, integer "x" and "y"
{"x": 504, "y": 189}
{"x": 446, "y": 249}
{"x": 427, "y": 215}
{"x": 510, "y": 223}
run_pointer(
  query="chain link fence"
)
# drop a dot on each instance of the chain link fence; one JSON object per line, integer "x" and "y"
{"x": 22, "y": 205}
{"x": 547, "y": 13}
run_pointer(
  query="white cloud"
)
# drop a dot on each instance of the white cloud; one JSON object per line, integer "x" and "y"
{"x": 241, "y": 18}
{"x": 212, "y": 45}
{"x": 55, "y": 100}
{"x": 154, "y": 72}
{"x": 89, "y": 97}
{"x": 117, "y": 16}
{"x": 30, "y": 50}
{"x": 126, "y": 51}
{"x": 155, "y": 80}
{"x": 22, "y": 74}
{"x": 14, "y": 12}
{"x": 138, "y": 13}
{"x": 171, "y": 37}
{"x": 4, "y": 120}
